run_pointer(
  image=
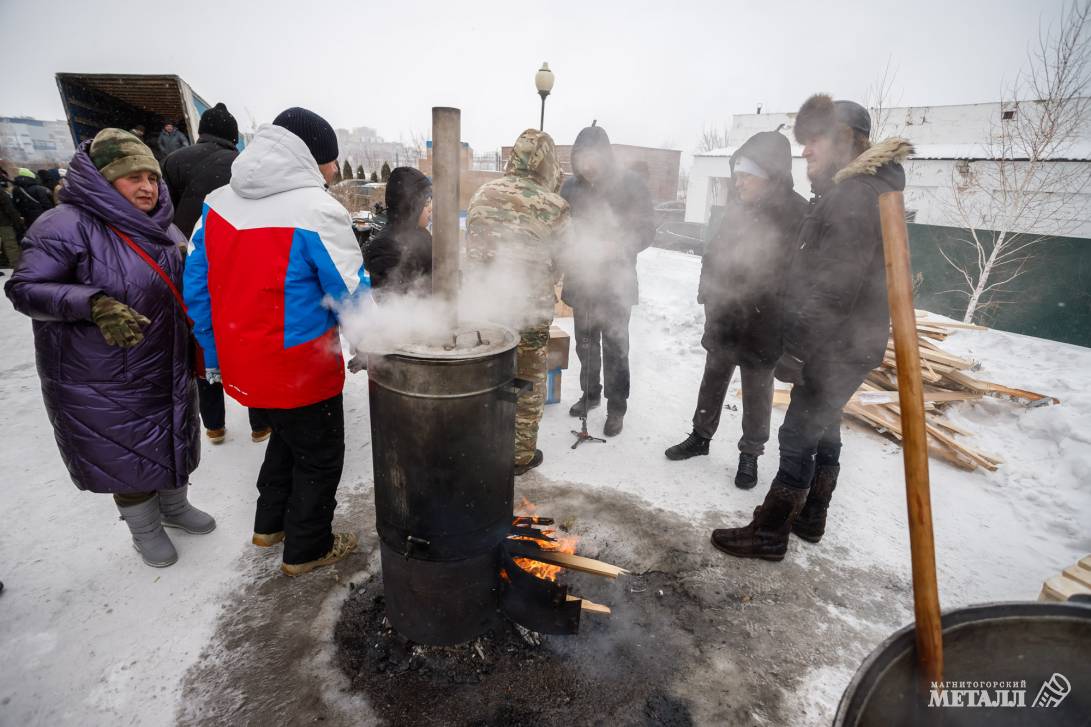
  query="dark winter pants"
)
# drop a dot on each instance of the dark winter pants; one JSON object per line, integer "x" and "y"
{"x": 757, "y": 400}
{"x": 211, "y": 397}
{"x": 602, "y": 337}
{"x": 812, "y": 426}
{"x": 298, "y": 481}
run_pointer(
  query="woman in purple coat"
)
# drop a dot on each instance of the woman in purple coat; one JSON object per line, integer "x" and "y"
{"x": 112, "y": 343}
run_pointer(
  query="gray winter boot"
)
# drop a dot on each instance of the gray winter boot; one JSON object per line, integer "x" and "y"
{"x": 149, "y": 538}
{"x": 178, "y": 513}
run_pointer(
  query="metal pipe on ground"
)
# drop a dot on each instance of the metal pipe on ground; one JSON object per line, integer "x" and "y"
{"x": 446, "y": 167}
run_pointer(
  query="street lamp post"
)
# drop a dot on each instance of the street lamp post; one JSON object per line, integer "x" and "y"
{"x": 543, "y": 81}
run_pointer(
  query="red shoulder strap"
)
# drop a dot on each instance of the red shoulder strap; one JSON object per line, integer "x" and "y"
{"x": 154, "y": 266}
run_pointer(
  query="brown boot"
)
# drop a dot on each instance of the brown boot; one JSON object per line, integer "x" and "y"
{"x": 766, "y": 536}
{"x": 811, "y": 523}
{"x": 343, "y": 544}
{"x": 216, "y": 436}
{"x": 267, "y": 540}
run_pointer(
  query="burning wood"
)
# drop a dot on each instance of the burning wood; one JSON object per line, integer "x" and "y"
{"x": 544, "y": 539}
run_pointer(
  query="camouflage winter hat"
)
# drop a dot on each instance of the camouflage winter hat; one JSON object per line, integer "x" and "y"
{"x": 116, "y": 153}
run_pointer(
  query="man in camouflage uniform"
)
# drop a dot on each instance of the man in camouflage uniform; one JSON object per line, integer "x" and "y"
{"x": 515, "y": 227}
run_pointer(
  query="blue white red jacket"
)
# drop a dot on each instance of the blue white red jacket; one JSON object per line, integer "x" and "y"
{"x": 271, "y": 255}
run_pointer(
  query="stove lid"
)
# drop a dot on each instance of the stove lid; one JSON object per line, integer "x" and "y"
{"x": 471, "y": 340}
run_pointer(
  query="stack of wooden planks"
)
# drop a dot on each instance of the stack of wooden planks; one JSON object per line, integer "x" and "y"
{"x": 1072, "y": 581}
{"x": 946, "y": 379}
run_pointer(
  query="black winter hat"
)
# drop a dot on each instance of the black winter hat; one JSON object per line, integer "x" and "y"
{"x": 218, "y": 121}
{"x": 771, "y": 151}
{"x": 314, "y": 130}
{"x": 407, "y": 191}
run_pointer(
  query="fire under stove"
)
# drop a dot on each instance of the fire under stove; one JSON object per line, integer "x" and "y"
{"x": 455, "y": 557}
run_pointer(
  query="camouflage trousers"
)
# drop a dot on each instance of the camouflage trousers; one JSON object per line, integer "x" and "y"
{"x": 10, "y": 246}
{"x": 530, "y": 363}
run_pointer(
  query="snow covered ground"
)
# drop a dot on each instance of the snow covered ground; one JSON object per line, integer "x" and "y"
{"x": 91, "y": 636}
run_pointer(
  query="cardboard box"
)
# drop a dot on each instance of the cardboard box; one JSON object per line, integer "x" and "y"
{"x": 557, "y": 352}
{"x": 560, "y": 309}
{"x": 553, "y": 386}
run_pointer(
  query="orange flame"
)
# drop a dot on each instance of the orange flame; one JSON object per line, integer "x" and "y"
{"x": 563, "y": 544}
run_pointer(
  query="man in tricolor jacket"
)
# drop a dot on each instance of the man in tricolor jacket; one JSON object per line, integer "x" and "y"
{"x": 271, "y": 252}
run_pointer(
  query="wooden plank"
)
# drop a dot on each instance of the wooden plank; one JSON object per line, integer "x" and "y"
{"x": 1059, "y": 588}
{"x": 1078, "y": 574}
{"x": 579, "y": 563}
{"x": 1085, "y": 562}
{"x": 590, "y": 606}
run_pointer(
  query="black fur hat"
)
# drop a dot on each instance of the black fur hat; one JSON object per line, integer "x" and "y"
{"x": 820, "y": 114}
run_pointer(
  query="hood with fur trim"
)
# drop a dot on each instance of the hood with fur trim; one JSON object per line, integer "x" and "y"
{"x": 894, "y": 150}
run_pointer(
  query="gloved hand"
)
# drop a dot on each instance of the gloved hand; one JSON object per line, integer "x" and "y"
{"x": 358, "y": 363}
{"x": 212, "y": 376}
{"x": 120, "y": 325}
{"x": 789, "y": 369}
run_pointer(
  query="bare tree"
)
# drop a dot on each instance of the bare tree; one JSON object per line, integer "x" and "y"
{"x": 1023, "y": 191}
{"x": 879, "y": 100}
{"x": 710, "y": 139}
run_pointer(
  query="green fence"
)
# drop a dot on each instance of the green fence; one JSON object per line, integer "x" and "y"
{"x": 1052, "y": 299}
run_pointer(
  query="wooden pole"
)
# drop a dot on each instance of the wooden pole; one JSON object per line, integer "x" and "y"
{"x": 446, "y": 168}
{"x": 899, "y": 283}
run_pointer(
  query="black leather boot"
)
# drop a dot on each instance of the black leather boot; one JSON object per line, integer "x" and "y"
{"x": 766, "y": 536}
{"x": 593, "y": 401}
{"x": 746, "y": 476}
{"x": 811, "y": 523}
{"x": 694, "y": 446}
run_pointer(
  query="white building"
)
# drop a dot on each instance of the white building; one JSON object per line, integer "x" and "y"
{"x": 952, "y": 144}
{"x": 31, "y": 142}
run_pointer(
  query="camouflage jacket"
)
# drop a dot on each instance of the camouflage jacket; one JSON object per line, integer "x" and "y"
{"x": 515, "y": 230}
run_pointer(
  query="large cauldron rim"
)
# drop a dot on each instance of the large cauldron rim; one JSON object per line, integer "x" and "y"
{"x": 868, "y": 676}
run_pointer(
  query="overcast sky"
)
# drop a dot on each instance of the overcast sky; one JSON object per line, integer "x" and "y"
{"x": 652, "y": 73}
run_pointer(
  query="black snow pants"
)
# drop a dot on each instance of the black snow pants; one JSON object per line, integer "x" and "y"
{"x": 297, "y": 484}
{"x": 812, "y": 426}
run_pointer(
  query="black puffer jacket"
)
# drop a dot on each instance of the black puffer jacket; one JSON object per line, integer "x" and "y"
{"x": 742, "y": 271}
{"x": 194, "y": 171}
{"x": 30, "y": 198}
{"x": 612, "y": 222}
{"x": 835, "y": 298}
{"x": 399, "y": 258}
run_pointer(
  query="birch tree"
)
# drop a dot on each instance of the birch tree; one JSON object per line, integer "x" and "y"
{"x": 1029, "y": 179}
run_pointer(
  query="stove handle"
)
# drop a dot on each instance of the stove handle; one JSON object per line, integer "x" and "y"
{"x": 412, "y": 541}
{"x": 511, "y": 392}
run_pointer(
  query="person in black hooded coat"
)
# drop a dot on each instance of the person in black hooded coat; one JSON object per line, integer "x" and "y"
{"x": 740, "y": 287}
{"x": 399, "y": 258}
{"x": 612, "y": 222}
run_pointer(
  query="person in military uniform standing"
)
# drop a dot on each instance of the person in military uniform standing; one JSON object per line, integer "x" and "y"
{"x": 515, "y": 227}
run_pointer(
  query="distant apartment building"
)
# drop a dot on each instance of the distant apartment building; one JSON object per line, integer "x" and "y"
{"x": 28, "y": 142}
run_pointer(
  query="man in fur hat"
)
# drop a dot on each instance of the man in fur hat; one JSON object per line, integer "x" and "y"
{"x": 836, "y": 320}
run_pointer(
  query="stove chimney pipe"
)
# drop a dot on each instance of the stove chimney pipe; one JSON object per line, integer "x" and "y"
{"x": 446, "y": 168}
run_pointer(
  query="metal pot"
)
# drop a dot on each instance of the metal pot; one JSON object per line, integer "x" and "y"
{"x": 1047, "y": 646}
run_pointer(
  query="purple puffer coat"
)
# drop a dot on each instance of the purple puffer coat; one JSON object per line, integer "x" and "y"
{"x": 125, "y": 419}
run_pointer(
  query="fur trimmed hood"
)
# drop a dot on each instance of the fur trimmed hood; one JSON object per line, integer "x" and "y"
{"x": 893, "y": 150}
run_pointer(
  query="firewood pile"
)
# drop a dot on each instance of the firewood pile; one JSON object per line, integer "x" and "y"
{"x": 947, "y": 379}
